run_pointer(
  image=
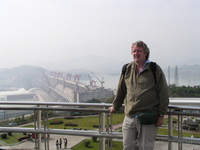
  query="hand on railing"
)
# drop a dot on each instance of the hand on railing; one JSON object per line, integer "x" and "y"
{"x": 112, "y": 110}
{"x": 160, "y": 121}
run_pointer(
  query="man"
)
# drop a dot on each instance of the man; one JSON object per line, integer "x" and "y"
{"x": 144, "y": 92}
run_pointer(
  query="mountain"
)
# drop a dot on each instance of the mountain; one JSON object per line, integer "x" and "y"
{"x": 20, "y": 77}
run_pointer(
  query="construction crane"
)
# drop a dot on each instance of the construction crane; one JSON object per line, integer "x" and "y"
{"x": 101, "y": 81}
{"x": 90, "y": 79}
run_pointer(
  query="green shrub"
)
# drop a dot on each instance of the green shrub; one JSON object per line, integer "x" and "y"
{"x": 4, "y": 136}
{"x": 94, "y": 138}
{"x": 10, "y": 133}
{"x": 96, "y": 126}
{"x": 56, "y": 122}
{"x": 71, "y": 124}
{"x": 87, "y": 143}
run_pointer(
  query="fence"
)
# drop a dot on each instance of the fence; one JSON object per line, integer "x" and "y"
{"x": 105, "y": 122}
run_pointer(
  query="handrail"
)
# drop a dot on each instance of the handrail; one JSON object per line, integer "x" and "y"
{"x": 53, "y": 108}
{"x": 86, "y": 104}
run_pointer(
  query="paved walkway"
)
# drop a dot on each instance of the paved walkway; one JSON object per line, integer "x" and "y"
{"x": 164, "y": 146}
{"x": 29, "y": 145}
{"x": 73, "y": 140}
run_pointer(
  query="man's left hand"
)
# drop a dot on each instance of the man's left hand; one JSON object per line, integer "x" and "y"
{"x": 160, "y": 121}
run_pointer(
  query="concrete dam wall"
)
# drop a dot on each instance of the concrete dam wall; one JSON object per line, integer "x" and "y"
{"x": 73, "y": 91}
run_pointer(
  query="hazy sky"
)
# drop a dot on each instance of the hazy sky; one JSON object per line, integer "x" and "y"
{"x": 35, "y": 32}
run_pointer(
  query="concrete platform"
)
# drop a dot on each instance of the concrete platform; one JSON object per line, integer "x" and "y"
{"x": 73, "y": 140}
{"x": 30, "y": 145}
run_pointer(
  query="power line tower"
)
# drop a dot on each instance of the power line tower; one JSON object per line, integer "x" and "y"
{"x": 176, "y": 77}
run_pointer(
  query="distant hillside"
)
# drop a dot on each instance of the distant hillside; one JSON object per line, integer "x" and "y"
{"x": 20, "y": 77}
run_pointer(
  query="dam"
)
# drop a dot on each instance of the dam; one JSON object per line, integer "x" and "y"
{"x": 67, "y": 90}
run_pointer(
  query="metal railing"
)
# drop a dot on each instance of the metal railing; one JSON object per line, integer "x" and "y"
{"x": 105, "y": 122}
{"x": 179, "y": 112}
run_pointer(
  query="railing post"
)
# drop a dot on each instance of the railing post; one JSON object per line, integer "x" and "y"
{"x": 102, "y": 129}
{"x": 179, "y": 132}
{"x": 35, "y": 135}
{"x": 46, "y": 138}
{"x": 109, "y": 130}
{"x": 39, "y": 127}
{"x": 170, "y": 130}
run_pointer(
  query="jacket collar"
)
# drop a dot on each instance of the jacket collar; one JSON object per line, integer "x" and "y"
{"x": 145, "y": 64}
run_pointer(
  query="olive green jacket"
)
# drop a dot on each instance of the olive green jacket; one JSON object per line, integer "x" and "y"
{"x": 139, "y": 92}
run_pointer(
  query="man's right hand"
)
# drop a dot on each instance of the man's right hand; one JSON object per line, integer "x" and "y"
{"x": 112, "y": 110}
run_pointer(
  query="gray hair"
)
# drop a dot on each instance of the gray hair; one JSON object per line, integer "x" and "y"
{"x": 144, "y": 46}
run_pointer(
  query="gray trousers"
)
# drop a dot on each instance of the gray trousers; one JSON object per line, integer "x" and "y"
{"x": 137, "y": 136}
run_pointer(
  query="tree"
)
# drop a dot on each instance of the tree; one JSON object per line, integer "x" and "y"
{"x": 87, "y": 143}
{"x": 94, "y": 138}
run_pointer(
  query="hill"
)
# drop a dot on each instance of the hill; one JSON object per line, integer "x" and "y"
{"x": 20, "y": 77}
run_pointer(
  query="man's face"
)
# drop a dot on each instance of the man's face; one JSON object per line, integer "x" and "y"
{"x": 138, "y": 54}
